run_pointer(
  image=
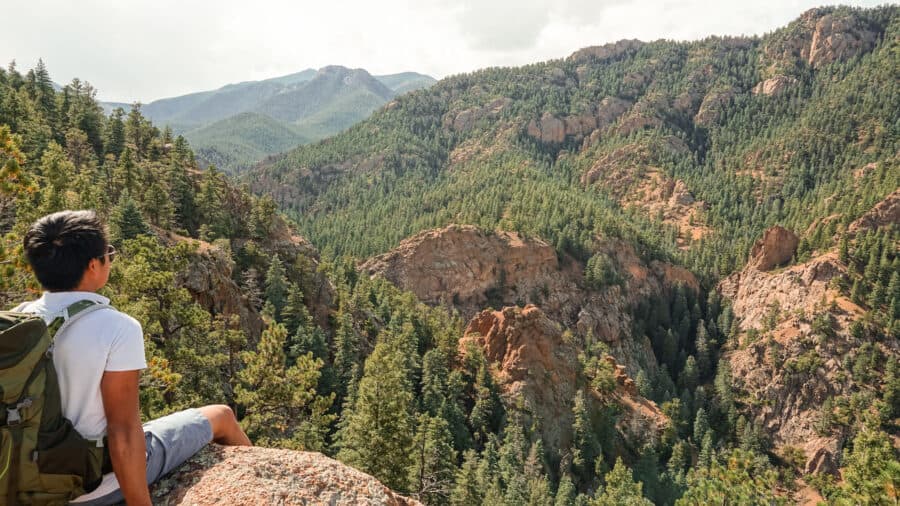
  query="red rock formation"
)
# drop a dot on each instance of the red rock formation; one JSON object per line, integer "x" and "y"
{"x": 820, "y": 37}
{"x": 242, "y": 476}
{"x": 776, "y": 247}
{"x": 788, "y": 370}
{"x": 534, "y": 363}
{"x": 462, "y": 121}
{"x": 463, "y": 264}
{"x": 886, "y": 212}
{"x": 774, "y": 85}
{"x": 470, "y": 269}
{"x": 548, "y": 129}
{"x": 713, "y": 104}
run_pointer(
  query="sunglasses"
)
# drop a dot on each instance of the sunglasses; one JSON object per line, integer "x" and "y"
{"x": 110, "y": 253}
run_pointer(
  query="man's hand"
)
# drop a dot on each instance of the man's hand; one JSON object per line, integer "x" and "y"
{"x": 125, "y": 435}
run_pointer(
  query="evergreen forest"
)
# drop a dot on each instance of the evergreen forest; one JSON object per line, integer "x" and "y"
{"x": 249, "y": 289}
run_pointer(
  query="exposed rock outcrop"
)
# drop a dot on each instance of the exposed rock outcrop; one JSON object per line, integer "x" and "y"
{"x": 820, "y": 37}
{"x": 799, "y": 287}
{"x": 616, "y": 168}
{"x": 610, "y": 109}
{"x": 773, "y": 86}
{"x": 886, "y": 212}
{"x": 470, "y": 269}
{"x": 535, "y": 363}
{"x": 776, "y": 247}
{"x": 462, "y": 264}
{"x": 209, "y": 281}
{"x": 713, "y": 104}
{"x": 794, "y": 346}
{"x": 631, "y": 175}
{"x": 465, "y": 120}
{"x": 548, "y": 129}
{"x": 209, "y": 275}
{"x": 788, "y": 367}
{"x": 606, "y": 52}
{"x": 242, "y": 476}
{"x": 589, "y": 125}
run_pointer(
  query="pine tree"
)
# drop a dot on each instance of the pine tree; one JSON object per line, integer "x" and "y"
{"x": 435, "y": 375}
{"x": 125, "y": 177}
{"x": 705, "y": 356}
{"x": 126, "y": 221}
{"x": 486, "y": 412}
{"x": 181, "y": 192}
{"x": 707, "y": 451}
{"x": 565, "y": 492}
{"x": 585, "y": 446}
{"x": 346, "y": 351}
{"x": 467, "y": 489}
{"x": 276, "y": 286}
{"x": 58, "y": 172}
{"x": 377, "y": 436}
{"x": 159, "y": 206}
{"x": 701, "y": 425}
{"x": 294, "y": 313}
{"x": 43, "y": 93}
{"x": 742, "y": 479}
{"x": 620, "y": 489}
{"x": 282, "y": 405}
{"x": 511, "y": 464}
{"x": 689, "y": 375}
{"x": 250, "y": 288}
{"x": 872, "y": 468}
{"x": 114, "y": 138}
{"x": 137, "y": 131}
{"x": 434, "y": 460}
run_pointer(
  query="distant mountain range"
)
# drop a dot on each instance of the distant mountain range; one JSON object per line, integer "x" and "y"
{"x": 240, "y": 124}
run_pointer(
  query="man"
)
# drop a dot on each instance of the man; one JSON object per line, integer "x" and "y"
{"x": 98, "y": 360}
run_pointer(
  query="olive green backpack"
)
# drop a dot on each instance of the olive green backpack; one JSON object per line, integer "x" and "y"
{"x": 43, "y": 459}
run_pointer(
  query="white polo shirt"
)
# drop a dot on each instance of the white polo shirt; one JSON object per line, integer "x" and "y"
{"x": 104, "y": 340}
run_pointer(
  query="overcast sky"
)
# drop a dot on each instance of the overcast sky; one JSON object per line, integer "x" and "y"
{"x": 144, "y": 50}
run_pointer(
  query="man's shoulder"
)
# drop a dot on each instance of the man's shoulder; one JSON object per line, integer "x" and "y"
{"x": 112, "y": 319}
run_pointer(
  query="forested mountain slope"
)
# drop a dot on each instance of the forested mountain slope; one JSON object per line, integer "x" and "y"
{"x": 582, "y": 324}
{"x": 687, "y": 152}
{"x": 784, "y": 128}
{"x": 239, "y": 124}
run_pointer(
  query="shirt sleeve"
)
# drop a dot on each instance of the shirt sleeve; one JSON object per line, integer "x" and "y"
{"x": 126, "y": 352}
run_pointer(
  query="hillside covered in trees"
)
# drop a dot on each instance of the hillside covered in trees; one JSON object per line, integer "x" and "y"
{"x": 687, "y": 151}
{"x": 608, "y": 359}
{"x": 239, "y": 124}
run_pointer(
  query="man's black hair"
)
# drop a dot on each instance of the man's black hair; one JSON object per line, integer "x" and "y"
{"x": 60, "y": 246}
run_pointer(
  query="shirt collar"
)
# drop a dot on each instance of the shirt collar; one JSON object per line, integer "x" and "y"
{"x": 58, "y": 300}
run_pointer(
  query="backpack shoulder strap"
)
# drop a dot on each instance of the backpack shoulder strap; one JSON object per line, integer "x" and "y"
{"x": 71, "y": 314}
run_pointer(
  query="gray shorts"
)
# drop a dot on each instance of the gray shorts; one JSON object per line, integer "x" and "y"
{"x": 171, "y": 440}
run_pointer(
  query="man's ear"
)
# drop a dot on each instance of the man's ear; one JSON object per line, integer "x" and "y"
{"x": 94, "y": 264}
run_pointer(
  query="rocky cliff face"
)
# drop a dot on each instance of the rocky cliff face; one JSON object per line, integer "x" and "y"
{"x": 463, "y": 265}
{"x": 209, "y": 276}
{"x": 242, "y": 476}
{"x": 796, "y": 347}
{"x": 884, "y": 213}
{"x": 535, "y": 362}
{"x": 820, "y": 37}
{"x": 470, "y": 269}
{"x": 776, "y": 247}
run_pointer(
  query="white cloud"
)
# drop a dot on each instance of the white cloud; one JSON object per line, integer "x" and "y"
{"x": 147, "y": 49}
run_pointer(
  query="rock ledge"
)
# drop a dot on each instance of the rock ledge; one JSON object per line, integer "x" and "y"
{"x": 261, "y": 476}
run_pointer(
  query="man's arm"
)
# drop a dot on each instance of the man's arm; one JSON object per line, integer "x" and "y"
{"x": 125, "y": 436}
